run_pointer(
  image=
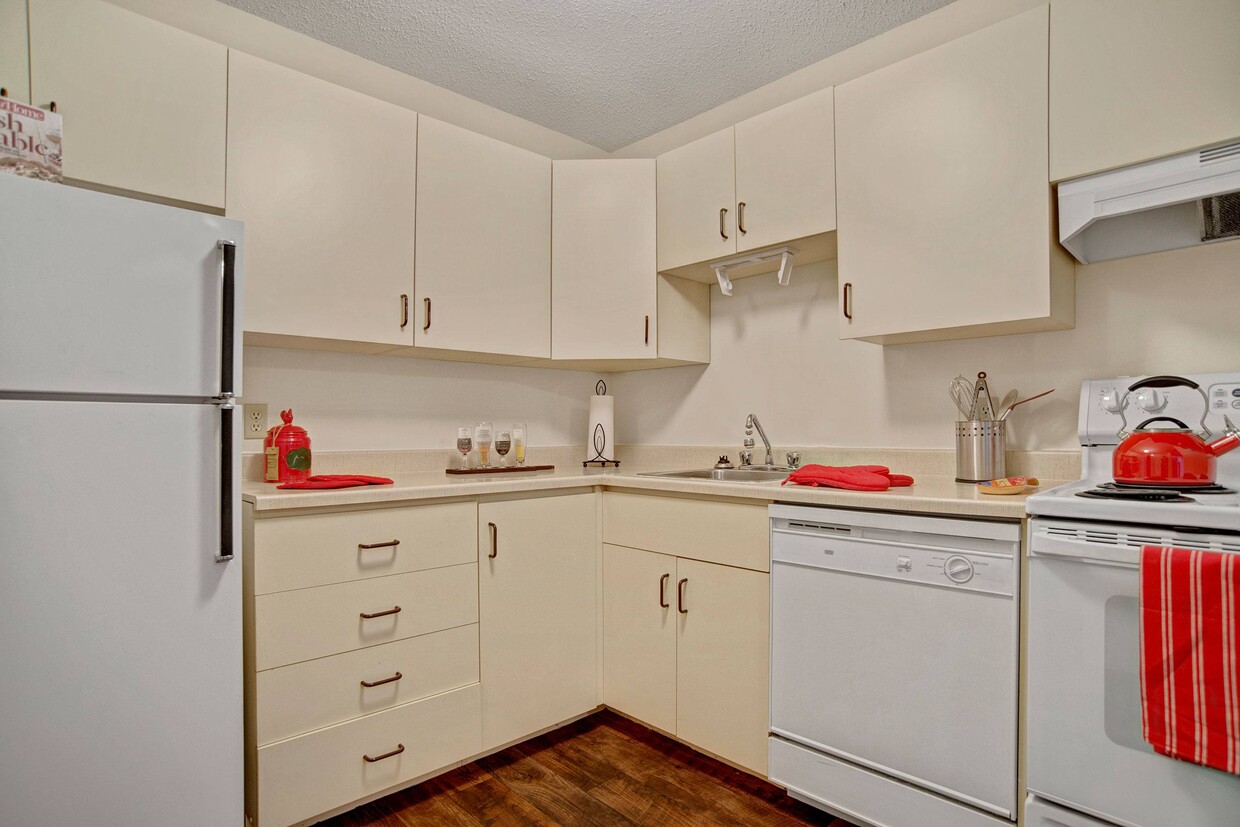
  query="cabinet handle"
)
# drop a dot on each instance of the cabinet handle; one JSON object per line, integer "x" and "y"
{"x": 848, "y": 300}
{"x": 395, "y": 610}
{"x": 404, "y": 310}
{"x": 426, "y": 314}
{"x": 4, "y": 93}
{"x": 388, "y": 544}
{"x": 722, "y": 212}
{"x": 399, "y": 749}
{"x": 647, "y": 337}
{"x": 680, "y": 596}
{"x": 494, "y": 540}
{"x": 372, "y": 684}
{"x": 51, "y": 106}
{"x": 663, "y": 592}
{"x": 740, "y": 217}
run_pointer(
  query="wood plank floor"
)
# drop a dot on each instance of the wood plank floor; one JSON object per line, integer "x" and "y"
{"x": 603, "y": 770}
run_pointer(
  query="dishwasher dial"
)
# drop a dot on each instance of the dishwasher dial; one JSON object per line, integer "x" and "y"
{"x": 958, "y": 569}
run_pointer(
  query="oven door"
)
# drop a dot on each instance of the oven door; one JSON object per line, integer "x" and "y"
{"x": 1084, "y": 712}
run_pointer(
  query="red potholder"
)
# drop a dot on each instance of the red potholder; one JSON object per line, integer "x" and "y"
{"x": 336, "y": 481}
{"x": 853, "y": 477}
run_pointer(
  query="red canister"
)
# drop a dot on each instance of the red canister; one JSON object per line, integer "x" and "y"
{"x": 287, "y": 451}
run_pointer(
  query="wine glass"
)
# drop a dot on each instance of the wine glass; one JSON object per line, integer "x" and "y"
{"x": 464, "y": 444}
{"x": 503, "y": 444}
{"x": 518, "y": 443}
{"x": 482, "y": 436}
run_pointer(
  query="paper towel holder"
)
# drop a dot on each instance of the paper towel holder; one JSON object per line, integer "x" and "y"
{"x": 599, "y": 437}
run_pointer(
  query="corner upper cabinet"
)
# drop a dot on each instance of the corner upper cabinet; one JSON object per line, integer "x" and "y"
{"x": 1133, "y": 80}
{"x": 324, "y": 178}
{"x": 944, "y": 204}
{"x": 14, "y": 50}
{"x": 144, "y": 104}
{"x": 610, "y": 308}
{"x": 483, "y": 245}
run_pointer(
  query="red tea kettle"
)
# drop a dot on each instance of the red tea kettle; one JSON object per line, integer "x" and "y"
{"x": 1170, "y": 457}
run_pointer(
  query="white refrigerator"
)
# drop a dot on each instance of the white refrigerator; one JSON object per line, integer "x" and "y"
{"x": 120, "y": 579}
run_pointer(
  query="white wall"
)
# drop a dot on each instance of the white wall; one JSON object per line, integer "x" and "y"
{"x": 775, "y": 352}
{"x": 357, "y": 402}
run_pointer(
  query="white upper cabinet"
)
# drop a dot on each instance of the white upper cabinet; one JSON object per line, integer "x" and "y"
{"x": 603, "y": 271}
{"x": 944, "y": 203}
{"x": 696, "y": 201}
{"x": 483, "y": 244}
{"x": 328, "y": 201}
{"x": 144, "y": 104}
{"x": 785, "y": 172}
{"x": 1133, "y": 80}
{"x": 14, "y": 52}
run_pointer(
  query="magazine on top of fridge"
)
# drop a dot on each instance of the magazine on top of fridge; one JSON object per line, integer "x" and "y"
{"x": 30, "y": 143}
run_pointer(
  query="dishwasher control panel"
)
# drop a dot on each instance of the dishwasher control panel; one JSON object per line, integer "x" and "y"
{"x": 980, "y": 564}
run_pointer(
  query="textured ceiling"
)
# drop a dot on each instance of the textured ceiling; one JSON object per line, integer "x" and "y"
{"x": 608, "y": 72}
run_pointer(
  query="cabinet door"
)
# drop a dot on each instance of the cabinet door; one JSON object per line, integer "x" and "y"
{"x": 603, "y": 271}
{"x": 943, "y": 196}
{"x": 483, "y": 244}
{"x": 722, "y": 661}
{"x": 324, "y": 178}
{"x": 639, "y": 635}
{"x": 696, "y": 201}
{"x": 1137, "y": 79}
{"x": 14, "y": 50}
{"x": 144, "y": 104}
{"x": 785, "y": 172}
{"x": 538, "y": 621}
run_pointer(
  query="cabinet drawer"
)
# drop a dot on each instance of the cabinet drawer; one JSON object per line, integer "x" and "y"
{"x": 306, "y": 696}
{"x": 734, "y": 534}
{"x": 290, "y": 627}
{"x": 317, "y": 549}
{"x": 302, "y": 777}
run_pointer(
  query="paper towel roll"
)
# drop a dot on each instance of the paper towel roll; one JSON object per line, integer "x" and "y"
{"x": 600, "y": 442}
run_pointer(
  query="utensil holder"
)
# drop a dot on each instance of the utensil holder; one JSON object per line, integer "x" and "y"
{"x": 981, "y": 448}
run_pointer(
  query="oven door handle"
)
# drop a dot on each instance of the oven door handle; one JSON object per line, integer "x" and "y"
{"x": 1098, "y": 558}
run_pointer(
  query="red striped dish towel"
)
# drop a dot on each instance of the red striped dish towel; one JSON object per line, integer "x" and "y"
{"x": 1190, "y": 655}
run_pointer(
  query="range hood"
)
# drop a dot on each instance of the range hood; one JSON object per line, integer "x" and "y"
{"x": 1177, "y": 201}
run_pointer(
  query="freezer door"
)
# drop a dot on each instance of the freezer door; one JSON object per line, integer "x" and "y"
{"x": 108, "y": 295}
{"x": 120, "y": 633}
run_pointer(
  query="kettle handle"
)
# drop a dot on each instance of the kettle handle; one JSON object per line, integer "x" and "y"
{"x": 1163, "y": 382}
{"x": 1141, "y": 427}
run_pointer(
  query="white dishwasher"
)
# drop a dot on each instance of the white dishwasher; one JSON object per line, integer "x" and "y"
{"x": 894, "y": 645}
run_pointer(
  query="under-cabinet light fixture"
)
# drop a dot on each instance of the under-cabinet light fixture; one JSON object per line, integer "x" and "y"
{"x": 782, "y": 254}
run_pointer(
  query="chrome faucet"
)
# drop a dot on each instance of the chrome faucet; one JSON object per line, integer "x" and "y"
{"x": 751, "y": 422}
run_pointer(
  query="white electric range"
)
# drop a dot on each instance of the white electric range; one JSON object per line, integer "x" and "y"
{"x": 1087, "y": 763}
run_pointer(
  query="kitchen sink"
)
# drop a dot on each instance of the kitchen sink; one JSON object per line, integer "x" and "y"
{"x": 723, "y": 474}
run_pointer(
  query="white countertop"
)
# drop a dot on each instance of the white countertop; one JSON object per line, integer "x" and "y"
{"x": 928, "y": 495}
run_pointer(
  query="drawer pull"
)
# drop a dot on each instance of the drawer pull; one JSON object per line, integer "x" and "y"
{"x": 392, "y": 611}
{"x": 388, "y": 544}
{"x": 371, "y": 684}
{"x": 399, "y": 749}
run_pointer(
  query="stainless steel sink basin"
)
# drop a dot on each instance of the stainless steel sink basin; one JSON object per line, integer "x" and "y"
{"x": 723, "y": 474}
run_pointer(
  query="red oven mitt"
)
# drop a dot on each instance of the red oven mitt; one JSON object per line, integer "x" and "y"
{"x": 336, "y": 481}
{"x": 852, "y": 477}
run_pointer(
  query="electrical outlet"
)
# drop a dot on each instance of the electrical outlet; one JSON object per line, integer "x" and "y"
{"x": 255, "y": 417}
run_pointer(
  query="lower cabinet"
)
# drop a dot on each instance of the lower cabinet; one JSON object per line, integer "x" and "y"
{"x": 538, "y": 593}
{"x": 686, "y": 642}
{"x": 361, "y": 654}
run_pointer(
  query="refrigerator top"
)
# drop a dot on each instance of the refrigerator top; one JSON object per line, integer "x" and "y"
{"x": 110, "y": 296}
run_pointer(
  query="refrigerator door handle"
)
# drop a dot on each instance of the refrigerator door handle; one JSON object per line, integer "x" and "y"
{"x": 226, "y": 399}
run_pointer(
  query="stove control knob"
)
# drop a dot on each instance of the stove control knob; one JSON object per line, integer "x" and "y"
{"x": 1110, "y": 400}
{"x": 1151, "y": 400}
{"x": 958, "y": 569}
